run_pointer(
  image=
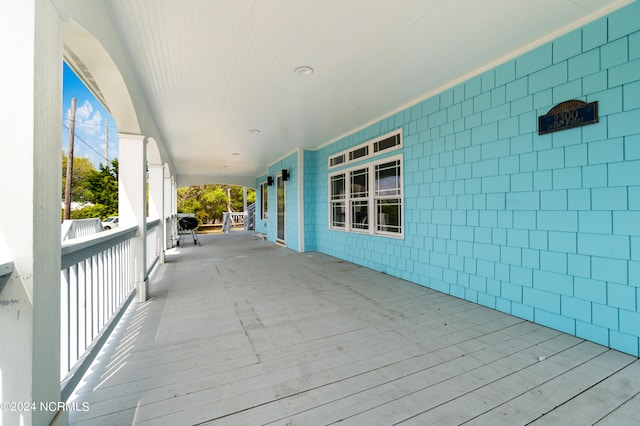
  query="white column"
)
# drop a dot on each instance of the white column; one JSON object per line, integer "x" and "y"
{"x": 168, "y": 212}
{"x": 174, "y": 208}
{"x": 132, "y": 206}
{"x": 30, "y": 172}
{"x": 156, "y": 200}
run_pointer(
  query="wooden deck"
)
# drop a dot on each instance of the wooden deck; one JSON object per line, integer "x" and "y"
{"x": 243, "y": 332}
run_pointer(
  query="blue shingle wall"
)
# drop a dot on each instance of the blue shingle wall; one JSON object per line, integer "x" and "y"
{"x": 269, "y": 227}
{"x": 546, "y": 228}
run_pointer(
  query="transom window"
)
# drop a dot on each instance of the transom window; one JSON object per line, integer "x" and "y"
{"x": 368, "y": 198}
{"x": 384, "y": 143}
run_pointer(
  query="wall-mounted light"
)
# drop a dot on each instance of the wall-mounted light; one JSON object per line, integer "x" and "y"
{"x": 269, "y": 180}
{"x": 285, "y": 174}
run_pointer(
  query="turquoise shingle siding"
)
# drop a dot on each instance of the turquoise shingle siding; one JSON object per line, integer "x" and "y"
{"x": 546, "y": 228}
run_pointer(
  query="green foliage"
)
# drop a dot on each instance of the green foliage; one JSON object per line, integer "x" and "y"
{"x": 98, "y": 187}
{"x": 97, "y": 210}
{"x": 103, "y": 188}
{"x": 82, "y": 169}
{"x": 208, "y": 202}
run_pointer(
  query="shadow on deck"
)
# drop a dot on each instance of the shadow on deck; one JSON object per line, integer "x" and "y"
{"x": 241, "y": 331}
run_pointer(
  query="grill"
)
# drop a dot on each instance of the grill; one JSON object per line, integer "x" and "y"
{"x": 187, "y": 226}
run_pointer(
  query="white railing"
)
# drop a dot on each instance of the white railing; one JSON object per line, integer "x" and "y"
{"x": 95, "y": 291}
{"x": 154, "y": 244}
{"x": 171, "y": 231}
{"x": 231, "y": 219}
{"x": 6, "y": 268}
{"x": 79, "y": 228}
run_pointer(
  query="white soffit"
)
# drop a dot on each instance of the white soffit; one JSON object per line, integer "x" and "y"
{"x": 213, "y": 70}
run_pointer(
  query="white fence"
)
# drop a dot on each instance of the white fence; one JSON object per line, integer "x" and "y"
{"x": 79, "y": 228}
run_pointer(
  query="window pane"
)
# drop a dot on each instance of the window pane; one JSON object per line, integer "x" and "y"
{"x": 388, "y": 214}
{"x": 360, "y": 214}
{"x": 360, "y": 183}
{"x": 264, "y": 195}
{"x": 338, "y": 187}
{"x": 386, "y": 143}
{"x": 388, "y": 178}
{"x": 339, "y": 159}
{"x": 338, "y": 214}
{"x": 360, "y": 152}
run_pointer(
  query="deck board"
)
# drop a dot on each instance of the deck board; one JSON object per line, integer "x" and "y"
{"x": 241, "y": 332}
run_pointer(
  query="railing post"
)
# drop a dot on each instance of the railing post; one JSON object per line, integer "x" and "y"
{"x": 132, "y": 179}
{"x": 30, "y": 119}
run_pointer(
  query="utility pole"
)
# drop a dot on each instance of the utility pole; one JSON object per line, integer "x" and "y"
{"x": 67, "y": 188}
{"x": 106, "y": 143}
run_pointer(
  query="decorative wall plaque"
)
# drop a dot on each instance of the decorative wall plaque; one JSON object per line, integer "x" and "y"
{"x": 567, "y": 115}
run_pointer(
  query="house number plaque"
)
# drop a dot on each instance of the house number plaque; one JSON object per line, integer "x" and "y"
{"x": 567, "y": 115}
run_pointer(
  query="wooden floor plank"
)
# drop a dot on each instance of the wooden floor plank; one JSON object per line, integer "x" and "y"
{"x": 526, "y": 407}
{"x": 243, "y": 332}
{"x": 627, "y": 413}
{"x": 591, "y": 405}
{"x": 471, "y": 404}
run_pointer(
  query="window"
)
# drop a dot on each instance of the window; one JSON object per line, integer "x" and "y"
{"x": 387, "y": 197}
{"x": 338, "y": 214}
{"x": 368, "y": 198}
{"x": 363, "y": 151}
{"x": 337, "y": 160}
{"x": 359, "y": 200}
{"x": 388, "y": 142}
{"x": 264, "y": 201}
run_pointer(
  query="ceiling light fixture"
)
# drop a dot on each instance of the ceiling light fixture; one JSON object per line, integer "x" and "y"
{"x": 255, "y": 131}
{"x": 235, "y": 153}
{"x": 304, "y": 70}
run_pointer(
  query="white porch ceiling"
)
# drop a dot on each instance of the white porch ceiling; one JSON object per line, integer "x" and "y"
{"x": 213, "y": 70}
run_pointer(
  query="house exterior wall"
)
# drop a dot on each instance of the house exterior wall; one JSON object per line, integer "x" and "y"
{"x": 289, "y": 162}
{"x": 544, "y": 227}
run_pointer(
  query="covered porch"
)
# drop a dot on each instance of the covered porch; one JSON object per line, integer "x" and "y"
{"x": 394, "y": 156}
{"x": 244, "y": 331}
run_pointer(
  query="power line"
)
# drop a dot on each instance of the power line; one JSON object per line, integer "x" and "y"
{"x": 87, "y": 144}
{"x": 87, "y": 123}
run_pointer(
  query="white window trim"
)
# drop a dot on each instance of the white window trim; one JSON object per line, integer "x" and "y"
{"x": 371, "y": 143}
{"x": 264, "y": 215}
{"x": 371, "y": 199}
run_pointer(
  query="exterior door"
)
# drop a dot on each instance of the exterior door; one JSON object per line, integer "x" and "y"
{"x": 280, "y": 205}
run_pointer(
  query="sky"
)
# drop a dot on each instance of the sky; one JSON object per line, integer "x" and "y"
{"x": 91, "y": 116}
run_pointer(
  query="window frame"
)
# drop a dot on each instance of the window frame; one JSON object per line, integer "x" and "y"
{"x": 371, "y": 148}
{"x": 264, "y": 201}
{"x": 372, "y": 199}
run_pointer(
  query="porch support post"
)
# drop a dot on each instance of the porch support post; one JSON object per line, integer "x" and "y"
{"x": 156, "y": 200}
{"x": 168, "y": 212}
{"x": 174, "y": 208}
{"x": 30, "y": 172}
{"x": 132, "y": 206}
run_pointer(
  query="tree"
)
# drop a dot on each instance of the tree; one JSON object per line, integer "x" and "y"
{"x": 208, "y": 202}
{"x": 103, "y": 187}
{"x": 82, "y": 169}
{"x": 92, "y": 186}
